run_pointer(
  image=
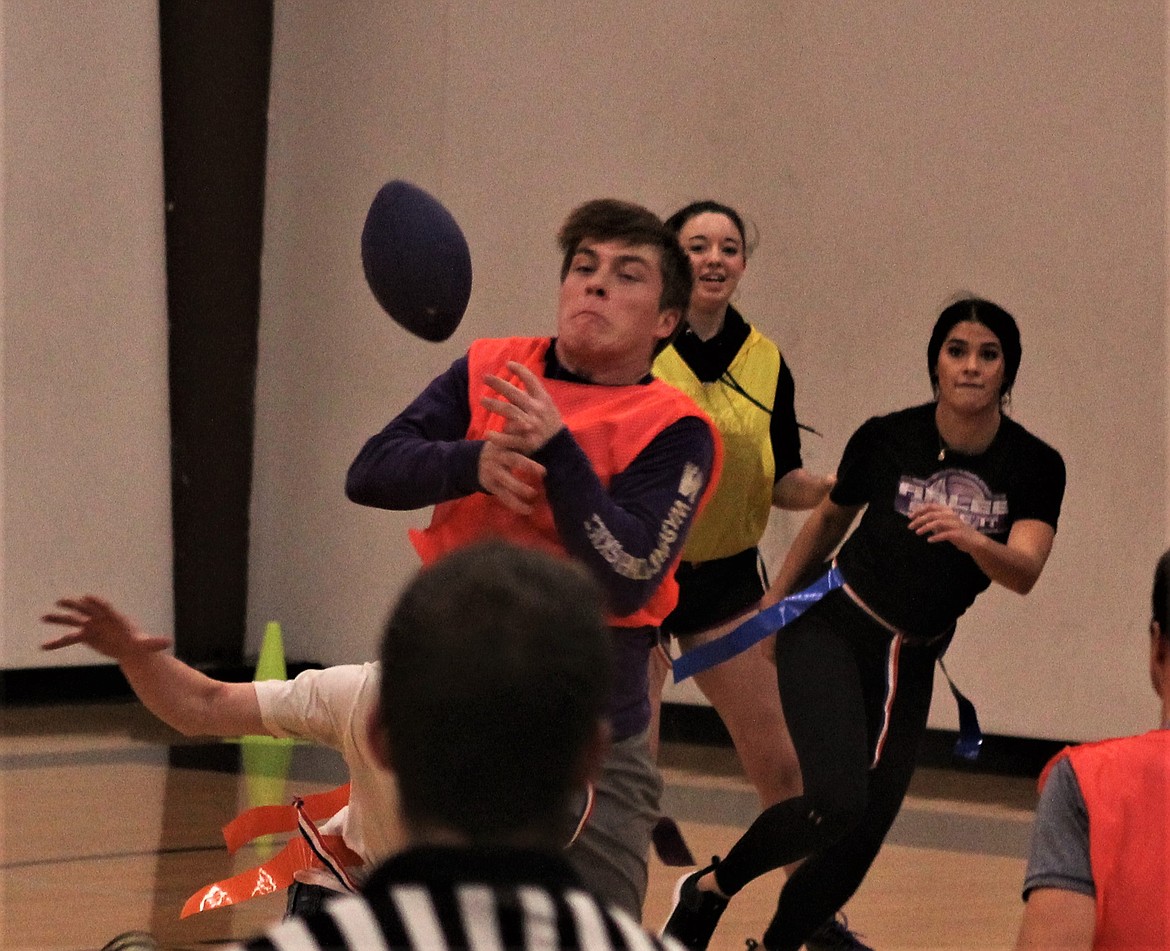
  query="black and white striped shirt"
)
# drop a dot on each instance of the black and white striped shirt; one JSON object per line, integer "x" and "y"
{"x": 481, "y": 899}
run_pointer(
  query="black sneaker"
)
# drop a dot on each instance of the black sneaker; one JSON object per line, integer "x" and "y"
{"x": 695, "y": 912}
{"x": 834, "y": 935}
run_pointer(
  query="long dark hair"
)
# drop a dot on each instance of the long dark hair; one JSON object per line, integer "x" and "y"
{"x": 1160, "y": 607}
{"x": 676, "y": 221}
{"x": 995, "y": 319}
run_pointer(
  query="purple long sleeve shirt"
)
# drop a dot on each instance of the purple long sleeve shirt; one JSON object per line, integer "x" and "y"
{"x": 422, "y": 457}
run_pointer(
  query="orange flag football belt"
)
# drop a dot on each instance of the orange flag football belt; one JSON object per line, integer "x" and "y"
{"x": 310, "y": 849}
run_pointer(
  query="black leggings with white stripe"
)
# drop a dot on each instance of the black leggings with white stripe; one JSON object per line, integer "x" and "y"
{"x": 852, "y": 694}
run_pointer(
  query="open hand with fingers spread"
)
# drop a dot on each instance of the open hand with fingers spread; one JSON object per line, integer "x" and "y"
{"x": 96, "y": 623}
{"x": 532, "y": 418}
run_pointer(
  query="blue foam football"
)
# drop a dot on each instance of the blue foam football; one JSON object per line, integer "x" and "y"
{"x": 416, "y": 260}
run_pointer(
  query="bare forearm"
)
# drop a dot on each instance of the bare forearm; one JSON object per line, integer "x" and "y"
{"x": 799, "y": 489}
{"x": 1015, "y": 570}
{"x": 190, "y": 701}
{"x": 176, "y": 693}
{"x": 1057, "y": 920}
{"x": 1017, "y": 564}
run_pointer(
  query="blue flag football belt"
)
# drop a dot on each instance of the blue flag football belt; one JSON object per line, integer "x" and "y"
{"x": 772, "y": 619}
{"x": 756, "y": 628}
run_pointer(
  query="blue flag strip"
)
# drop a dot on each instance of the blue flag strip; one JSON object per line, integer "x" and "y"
{"x": 772, "y": 619}
{"x": 755, "y": 628}
{"x": 970, "y": 736}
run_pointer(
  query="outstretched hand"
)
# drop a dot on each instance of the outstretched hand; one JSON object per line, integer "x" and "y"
{"x": 98, "y": 624}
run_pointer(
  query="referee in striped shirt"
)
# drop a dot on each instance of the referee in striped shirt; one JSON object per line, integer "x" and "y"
{"x": 496, "y": 671}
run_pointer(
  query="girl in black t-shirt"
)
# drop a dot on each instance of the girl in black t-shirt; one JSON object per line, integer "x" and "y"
{"x": 954, "y": 496}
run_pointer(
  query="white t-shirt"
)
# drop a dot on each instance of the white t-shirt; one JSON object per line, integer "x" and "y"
{"x": 332, "y": 707}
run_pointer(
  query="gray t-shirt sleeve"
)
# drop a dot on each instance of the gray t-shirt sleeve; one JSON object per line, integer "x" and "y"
{"x": 1059, "y": 856}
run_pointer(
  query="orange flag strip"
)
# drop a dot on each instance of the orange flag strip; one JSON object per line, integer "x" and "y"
{"x": 266, "y": 820}
{"x": 308, "y": 850}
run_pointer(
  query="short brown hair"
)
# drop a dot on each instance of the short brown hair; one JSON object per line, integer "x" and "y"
{"x": 608, "y": 219}
{"x": 496, "y": 668}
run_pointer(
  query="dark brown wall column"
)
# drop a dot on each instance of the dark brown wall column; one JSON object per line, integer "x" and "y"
{"x": 216, "y": 56}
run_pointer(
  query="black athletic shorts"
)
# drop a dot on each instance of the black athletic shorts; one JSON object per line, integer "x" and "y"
{"x": 711, "y": 592}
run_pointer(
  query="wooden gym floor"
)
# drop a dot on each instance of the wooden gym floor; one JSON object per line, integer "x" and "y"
{"x": 109, "y": 821}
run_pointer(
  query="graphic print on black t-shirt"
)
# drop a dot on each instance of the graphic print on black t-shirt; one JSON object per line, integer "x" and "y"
{"x": 963, "y": 492}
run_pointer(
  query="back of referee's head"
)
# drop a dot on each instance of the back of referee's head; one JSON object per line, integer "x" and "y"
{"x": 496, "y": 671}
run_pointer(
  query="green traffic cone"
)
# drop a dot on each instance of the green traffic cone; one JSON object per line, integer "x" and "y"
{"x": 270, "y": 665}
{"x": 266, "y": 759}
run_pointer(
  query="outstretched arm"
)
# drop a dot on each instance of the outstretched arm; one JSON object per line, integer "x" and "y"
{"x": 176, "y": 693}
{"x": 1016, "y": 564}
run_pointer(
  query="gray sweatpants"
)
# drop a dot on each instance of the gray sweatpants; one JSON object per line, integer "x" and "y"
{"x": 612, "y": 853}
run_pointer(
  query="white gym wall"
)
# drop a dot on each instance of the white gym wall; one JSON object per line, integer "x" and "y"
{"x": 890, "y": 153}
{"x": 85, "y": 479}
